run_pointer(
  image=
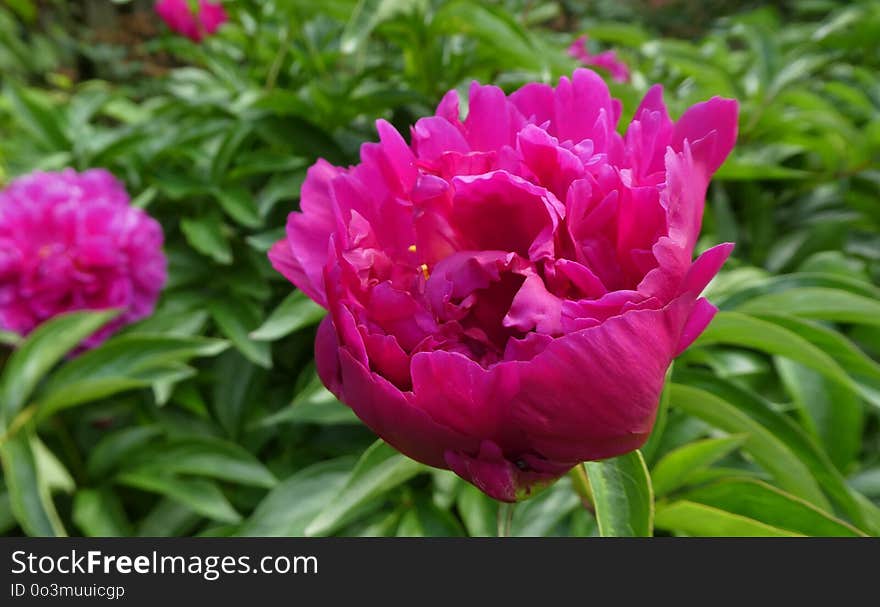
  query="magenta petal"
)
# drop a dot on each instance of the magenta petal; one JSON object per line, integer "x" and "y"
{"x": 308, "y": 232}
{"x": 718, "y": 115}
{"x": 389, "y": 413}
{"x": 701, "y": 315}
{"x": 625, "y": 373}
{"x": 706, "y": 267}
{"x": 531, "y": 214}
{"x": 448, "y": 107}
{"x": 500, "y": 478}
{"x": 388, "y": 359}
{"x": 212, "y": 16}
{"x": 491, "y": 122}
{"x": 71, "y": 241}
{"x": 554, "y": 167}
{"x": 399, "y": 156}
{"x": 283, "y": 261}
{"x": 535, "y": 308}
{"x": 526, "y": 348}
{"x": 535, "y": 102}
{"x": 327, "y": 356}
{"x": 434, "y": 136}
{"x": 471, "y": 404}
{"x": 578, "y": 104}
{"x": 649, "y": 134}
{"x": 476, "y": 322}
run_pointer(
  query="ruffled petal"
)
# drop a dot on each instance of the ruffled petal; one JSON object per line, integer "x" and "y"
{"x": 531, "y": 214}
{"x": 593, "y": 394}
{"x": 390, "y": 414}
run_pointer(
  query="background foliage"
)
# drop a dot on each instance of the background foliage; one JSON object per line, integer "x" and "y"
{"x": 208, "y": 418}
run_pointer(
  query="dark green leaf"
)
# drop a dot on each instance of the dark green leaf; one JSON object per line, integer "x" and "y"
{"x": 297, "y": 311}
{"x": 379, "y": 470}
{"x": 39, "y": 353}
{"x": 676, "y": 468}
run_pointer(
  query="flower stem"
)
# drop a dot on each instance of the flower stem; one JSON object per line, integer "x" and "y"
{"x": 505, "y": 519}
{"x": 581, "y": 483}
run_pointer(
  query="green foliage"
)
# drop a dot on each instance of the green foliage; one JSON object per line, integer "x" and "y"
{"x": 208, "y": 417}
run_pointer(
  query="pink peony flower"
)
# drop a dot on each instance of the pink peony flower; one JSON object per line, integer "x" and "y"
{"x": 507, "y": 292}
{"x": 607, "y": 60}
{"x": 181, "y": 17}
{"x": 70, "y": 241}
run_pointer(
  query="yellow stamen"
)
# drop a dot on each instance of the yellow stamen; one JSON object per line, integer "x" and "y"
{"x": 424, "y": 268}
{"x": 412, "y": 248}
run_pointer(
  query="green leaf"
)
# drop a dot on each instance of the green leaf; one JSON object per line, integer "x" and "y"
{"x": 52, "y": 472}
{"x": 40, "y": 352}
{"x": 168, "y": 518}
{"x": 236, "y": 318}
{"x": 203, "y": 456}
{"x": 294, "y": 503}
{"x": 233, "y": 375}
{"x": 99, "y": 513}
{"x": 122, "y": 363}
{"x": 239, "y": 205}
{"x": 677, "y": 467}
{"x": 200, "y": 495}
{"x": 768, "y": 450}
{"x": 786, "y": 282}
{"x": 622, "y": 496}
{"x": 694, "y": 519}
{"x": 496, "y": 29}
{"x": 29, "y": 493}
{"x": 366, "y": 16}
{"x": 749, "y": 169}
{"x": 538, "y": 516}
{"x": 207, "y": 236}
{"x": 425, "y": 519}
{"x": 42, "y": 120}
{"x": 819, "y": 304}
{"x": 313, "y": 404}
{"x": 229, "y": 149}
{"x": 863, "y": 369}
{"x": 296, "y": 312}
{"x": 7, "y": 519}
{"x": 478, "y": 511}
{"x": 733, "y": 328}
{"x": 116, "y": 447}
{"x": 379, "y": 470}
{"x": 806, "y": 451}
{"x": 8, "y": 338}
{"x": 834, "y": 414}
{"x": 761, "y": 502}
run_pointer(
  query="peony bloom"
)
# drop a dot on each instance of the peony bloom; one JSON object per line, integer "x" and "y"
{"x": 70, "y": 241}
{"x": 607, "y": 60}
{"x": 191, "y": 20}
{"x": 506, "y": 292}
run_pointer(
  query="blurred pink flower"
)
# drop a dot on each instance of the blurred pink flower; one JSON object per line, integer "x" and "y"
{"x": 506, "y": 292}
{"x": 71, "y": 241}
{"x": 607, "y": 60}
{"x": 194, "y": 24}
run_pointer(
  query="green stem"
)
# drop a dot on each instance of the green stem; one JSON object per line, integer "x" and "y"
{"x": 505, "y": 519}
{"x": 278, "y": 62}
{"x": 581, "y": 483}
{"x": 20, "y": 421}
